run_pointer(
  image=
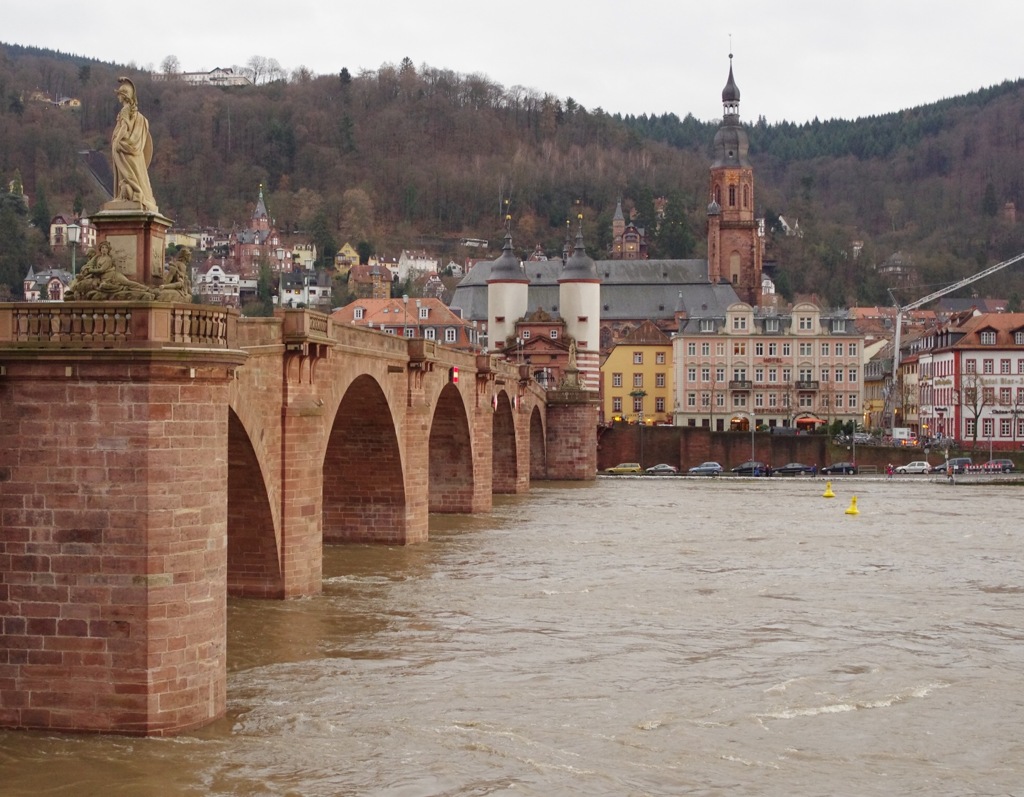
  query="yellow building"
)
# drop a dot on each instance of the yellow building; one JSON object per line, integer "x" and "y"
{"x": 637, "y": 378}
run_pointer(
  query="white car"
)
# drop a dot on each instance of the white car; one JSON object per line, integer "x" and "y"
{"x": 918, "y": 466}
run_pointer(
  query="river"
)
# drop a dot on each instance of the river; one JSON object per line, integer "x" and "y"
{"x": 634, "y": 636}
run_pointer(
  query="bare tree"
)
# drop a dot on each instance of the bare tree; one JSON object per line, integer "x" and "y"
{"x": 974, "y": 397}
{"x": 170, "y": 66}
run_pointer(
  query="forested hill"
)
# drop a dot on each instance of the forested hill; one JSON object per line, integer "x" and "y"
{"x": 406, "y": 156}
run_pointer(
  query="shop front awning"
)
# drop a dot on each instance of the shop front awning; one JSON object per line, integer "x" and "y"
{"x": 809, "y": 420}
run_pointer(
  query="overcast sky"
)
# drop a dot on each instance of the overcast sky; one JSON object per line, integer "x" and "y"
{"x": 794, "y": 59}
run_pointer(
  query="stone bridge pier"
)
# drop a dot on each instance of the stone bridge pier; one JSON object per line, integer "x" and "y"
{"x": 156, "y": 458}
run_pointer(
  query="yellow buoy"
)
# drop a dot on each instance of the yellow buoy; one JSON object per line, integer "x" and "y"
{"x": 828, "y": 491}
{"x": 852, "y": 508}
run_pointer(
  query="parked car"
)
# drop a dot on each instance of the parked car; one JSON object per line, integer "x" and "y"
{"x": 999, "y": 466}
{"x": 840, "y": 468}
{"x": 624, "y": 467}
{"x": 750, "y": 468}
{"x": 705, "y": 469}
{"x": 917, "y": 466}
{"x": 663, "y": 470}
{"x": 792, "y": 469}
{"x": 959, "y": 465}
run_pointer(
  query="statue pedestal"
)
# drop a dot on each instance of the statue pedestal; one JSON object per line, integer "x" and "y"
{"x": 137, "y": 239}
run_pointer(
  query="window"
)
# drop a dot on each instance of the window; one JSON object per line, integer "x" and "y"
{"x": 839, "y": 374}
{"x": 1004, "y": 365}
{"x": 988, "y": 337}
{"x": 852, "y": 403}
{"x": 358, "y": 315}
{"x": 720, "y": 349}
{"x": 771, "y": 325}
{"x": 773, "y": 374}
{"x": 707, "y": 325}
{"x": 739, "y": 348}
{"x": 691, "y": 373}
{"x": 839, "y": 349}
{"x": 804, "y": 323}
{"x": 773, "y": 349}
{"x": 424, "y": 312}
{"x": 969, "y": 427}
{"x": 617, "y": 380}
{"x": 1020, "y": 395}
{"x": 659, "y": 358}
{"x": 987, "y": 427}
{"x": 1005, "y": 427}
{"x": 720, "y": 399}
{"x": 430, "y": 333}
{"x": 759, "y": 349}
{"x": 806, "y": 375}
{"x": 787, "y": 350}
{"x": 988, "y": 395}
{"x": 806, "y": 349}
{"x": 852, "y": 348}
{"x": 638, "y": 358}
{"x": 759, "y": 400}
{"x": 705, "y": 349}
{"x": 988, "y": 366}
{"x": 851, "y": 375}
{"x": 691, "y": 349}
{"x": 739, "y": 400}
{"x": 824, "y": 349}
{"x": 526, "y": 334}
{"x": 705, "y": 399}
{"x": 1005, "y": 394}
{"x": 971, "y": 367}
{"x": 554, "y": 334}
{"x": 638, "y": 380}
{"x": 772, "y": 399}
{"x": 839, "y": 401}
{"x": 410, "y": 332}
{"x": 739, "y": 374}
{"x": 617, "y": 404}
{"x": 739, "y": 323}
{"x": 759, "y": 375}
{"x": 691, "y": 399}
{"x": 705, "y": 373}
{"x": 720, "y": 373}
{"x": 659, "y": 380}
{"x": 1018, "y": 338}
{"x": 659, "y": 404}
{"x": 824, "y": 374}
{"x": 838, "y": 324}
{"x": 787, "y": 374}
{"x": 450, "y": 335}
{"x": 638, "y": 404}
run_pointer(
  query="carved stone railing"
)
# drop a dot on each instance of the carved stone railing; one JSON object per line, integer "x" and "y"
{"x": 116, "y": 324}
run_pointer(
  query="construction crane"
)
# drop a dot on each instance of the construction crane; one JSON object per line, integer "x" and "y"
{"x": 901, "y": 311}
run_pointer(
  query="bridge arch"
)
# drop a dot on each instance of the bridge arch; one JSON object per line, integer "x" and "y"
{"x": 363, "y": 481}
{"x": 254, "y": 562}
{"x": 538, "y": 455}
{"x": 504, "y": 453}
{"x": 451, "y": 475}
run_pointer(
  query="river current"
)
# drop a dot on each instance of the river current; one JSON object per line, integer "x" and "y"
{"x": 633, "y": 636}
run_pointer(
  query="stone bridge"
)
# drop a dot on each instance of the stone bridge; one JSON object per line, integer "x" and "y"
{"x": 156, "y": 458}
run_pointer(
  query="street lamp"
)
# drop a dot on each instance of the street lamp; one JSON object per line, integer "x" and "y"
{"x": 74, "y": 235}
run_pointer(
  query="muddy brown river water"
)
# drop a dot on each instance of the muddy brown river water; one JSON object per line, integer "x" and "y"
{"x": 635, "y": 636}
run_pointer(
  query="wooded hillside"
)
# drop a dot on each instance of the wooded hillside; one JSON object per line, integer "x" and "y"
{"x": 406, "y": 156}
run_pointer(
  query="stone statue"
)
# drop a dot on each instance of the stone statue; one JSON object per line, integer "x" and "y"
{"x": 177, "y": 285}
{"x": 100, "y": 280}
{"x": 131, "y": 150}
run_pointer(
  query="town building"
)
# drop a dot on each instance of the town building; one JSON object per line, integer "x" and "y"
{"x": 800, "y": 368}
{"x": 424, "y": 318}
{"x": 971, "y": 381}
{"x": 48, "y": 285}
{"x": 216, "y": 285}
{"x": 637, "y": 379}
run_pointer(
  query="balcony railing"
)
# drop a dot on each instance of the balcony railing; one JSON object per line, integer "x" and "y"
{"x": 807, "y": 384}
{"x": 740, "y": 384}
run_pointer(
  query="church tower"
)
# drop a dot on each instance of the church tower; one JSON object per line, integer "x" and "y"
{"x": 734, "y": 243}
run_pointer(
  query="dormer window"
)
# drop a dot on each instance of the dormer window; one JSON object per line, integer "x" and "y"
{"x": 1018, "y": 338}
{"x": 424, "y": 312}
{"x": 838, "y": 324}
{"x": 771, "y": 325}
{"x": 358, "y": 315}
{"x": 707, "y": 325}
{"x": 739, "y": 323}
{"x": 988, "y": 337}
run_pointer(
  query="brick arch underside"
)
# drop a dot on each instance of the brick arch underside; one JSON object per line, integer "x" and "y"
{"x": 538, "y": 462}
{"x": 364, "y": 490}
{"x": 254, "y": 566}
{"x": 505, "y": 466}
{"x": 451, "y": 455}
